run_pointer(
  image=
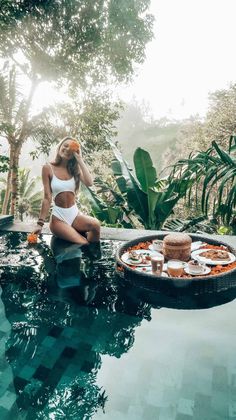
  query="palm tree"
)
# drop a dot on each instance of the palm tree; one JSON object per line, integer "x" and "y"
{"x": 18, "y": 125}
{"x": 29, "y": 198}
{"x": 14, "y": 127}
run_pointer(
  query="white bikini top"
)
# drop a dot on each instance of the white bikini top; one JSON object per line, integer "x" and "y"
{"x": 61, "y": 185}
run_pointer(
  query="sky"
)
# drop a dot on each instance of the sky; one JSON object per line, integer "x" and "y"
{"x": 192, "y": 54}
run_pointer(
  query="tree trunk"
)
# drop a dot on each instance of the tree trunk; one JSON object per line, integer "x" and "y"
{"x": 14, "y": 178}
{"x": 8, "y": 186}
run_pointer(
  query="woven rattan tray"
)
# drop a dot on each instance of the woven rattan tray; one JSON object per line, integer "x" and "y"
{"x": 198, "y": 284}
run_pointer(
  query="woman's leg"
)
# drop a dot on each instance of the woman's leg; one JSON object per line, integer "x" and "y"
{"x": 64, "y": 231}
{"x": 87, "y": 224}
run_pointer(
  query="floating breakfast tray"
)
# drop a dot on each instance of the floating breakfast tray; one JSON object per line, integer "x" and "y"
{"x": 197, "y": 284}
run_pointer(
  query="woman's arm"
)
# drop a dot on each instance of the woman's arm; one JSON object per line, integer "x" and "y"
{"x": 47, "y": 199}
{"x": 85, "y": 174}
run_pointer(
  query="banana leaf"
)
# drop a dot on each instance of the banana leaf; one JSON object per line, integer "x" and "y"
{"x": 145, "y": 172}
{"x": 127, "y": 184}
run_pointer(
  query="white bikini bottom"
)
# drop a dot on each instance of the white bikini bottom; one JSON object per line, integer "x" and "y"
{"x": 67, "y": 215}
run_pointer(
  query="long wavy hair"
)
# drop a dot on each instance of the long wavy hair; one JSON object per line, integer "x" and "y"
{"x": 72, "y": 165}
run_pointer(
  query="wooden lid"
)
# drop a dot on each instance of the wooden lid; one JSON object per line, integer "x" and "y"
{"x": 177, "y": 238}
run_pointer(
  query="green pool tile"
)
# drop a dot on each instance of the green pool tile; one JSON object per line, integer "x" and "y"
{"x": 3, "y": 388}
{"x": 170, "y": 395}
{"x": 188, "y": 390}
{"x": 35, "y": 362}
{"x": 65, "y": 381}
{"x": 4, "y": 413}
{"x": 3, "y": 344}
{"x": 185, "y": 406}
{"x": 151, "y": 412}
{"x": 49, "y": 360}
{"x": 220, "y": 403}
{"x": 232, "y": 411}
{"x": 202, "y": 407}
{"x": 220, "y": 378}
{"x": 233, "y": 383}
{"x": 183, "y": 417}
{"x": 5, "y": 326}
{"x": 73, "y": 369}
{"x": 121, "y": 404}
{"x": 135, "y": 412}
{"x": 48, "y": 341}
{"x": 154, "y": 397}
{"x": 68, "y": 332}
{"x": 7, "y": 400}
{"x": 27, "y": 372}
{"x": 167, "y": 413}
{"x": 6, "y": 379}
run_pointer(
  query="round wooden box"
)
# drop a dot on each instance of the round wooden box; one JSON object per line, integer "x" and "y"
{"x": 177, "y": 246}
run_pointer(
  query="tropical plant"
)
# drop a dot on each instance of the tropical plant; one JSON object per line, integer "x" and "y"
{"x": 195, "y": 225}
{"x": 111, "y": 211}
{"x": 29, "y": 198}
{"x": 151, "y": 199}
{"x": 15, "y": 127}
{"x": 214, "y": 173}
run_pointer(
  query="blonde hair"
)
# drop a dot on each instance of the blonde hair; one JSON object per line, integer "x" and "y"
{"x": 72, "y": 165}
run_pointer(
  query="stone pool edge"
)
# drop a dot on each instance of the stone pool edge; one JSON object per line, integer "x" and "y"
{"x": 117, "y": 234}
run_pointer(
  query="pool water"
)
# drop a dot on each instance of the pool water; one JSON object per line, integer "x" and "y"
{"x": 77, "y": 342}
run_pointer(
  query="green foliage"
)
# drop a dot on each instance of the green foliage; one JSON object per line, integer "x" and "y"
{"x": 148, "y": 198}
{"x": 12, "y": 102}
{"x": 219, "y": 124}
{"x": 110, "y": 210}
{"x": 29, "y": 199}
{"x": 90, "y": 119}
{"x": 81, "y": 40}
{"x": 214, "y": 174}
{"x": 4, "y": 163}
{"x": 195, "y": 225}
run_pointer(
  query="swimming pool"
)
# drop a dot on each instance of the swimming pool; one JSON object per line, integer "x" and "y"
{"x": 102, "y": 349}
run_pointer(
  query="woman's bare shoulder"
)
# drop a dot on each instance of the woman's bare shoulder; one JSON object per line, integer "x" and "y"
{"x": 47, "y": 169}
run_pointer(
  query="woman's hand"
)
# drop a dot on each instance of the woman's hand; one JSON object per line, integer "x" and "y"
{"x": 78, "y": 154}
{"x": 37, "y": 230}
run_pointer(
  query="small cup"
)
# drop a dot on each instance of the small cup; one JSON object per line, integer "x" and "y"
{"x": 175, "y": 268}
{"x": 157, "y": 262}
{"x": 195, "y": 267}
{"x": 157, "y": 245}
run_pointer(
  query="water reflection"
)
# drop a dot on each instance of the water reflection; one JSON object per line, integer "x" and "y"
{"x": 66, "y": 311}
{"x": 177, "y": 299}
{"x": 8, "y": 396}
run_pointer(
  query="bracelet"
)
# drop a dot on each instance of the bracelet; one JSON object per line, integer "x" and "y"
{"x": 41, "y": 220}
{"x": 40, "y": 223}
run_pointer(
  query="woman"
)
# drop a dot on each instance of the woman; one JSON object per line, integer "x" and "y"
{"x": 61, "y": 180}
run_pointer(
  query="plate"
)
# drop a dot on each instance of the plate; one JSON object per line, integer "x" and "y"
{"x": 196, "y": 245}
{"x": 206, "y": 270}
{"x": 196, "y": 256}
{"x": 125, "y": 257}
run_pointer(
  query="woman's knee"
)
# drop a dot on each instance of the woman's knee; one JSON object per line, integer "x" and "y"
{"x": 95, "y": 225}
